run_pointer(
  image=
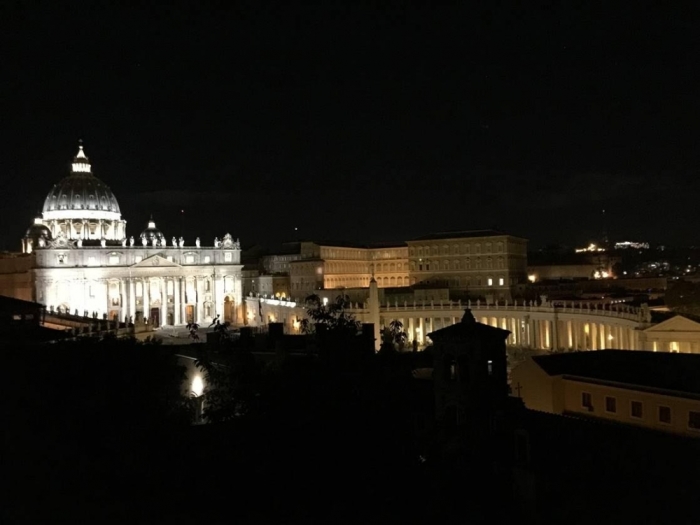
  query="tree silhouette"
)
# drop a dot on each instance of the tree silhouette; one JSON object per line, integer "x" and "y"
{"x": 332, "y": 315}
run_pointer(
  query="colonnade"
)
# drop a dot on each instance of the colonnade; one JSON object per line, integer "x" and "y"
{"x": 532, "y": 332}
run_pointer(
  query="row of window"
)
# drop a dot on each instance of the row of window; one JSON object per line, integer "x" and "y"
{"x": 116, "y": 259}
{"x": 636, "y": 410}
{"x": 427, "y": 265}
{"x": 455, "y": 249}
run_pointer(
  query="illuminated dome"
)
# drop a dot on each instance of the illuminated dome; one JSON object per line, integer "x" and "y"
{"x": 81, "y": 195}
{"x": 81, "y": 206}
{"x": 151, "y": 232}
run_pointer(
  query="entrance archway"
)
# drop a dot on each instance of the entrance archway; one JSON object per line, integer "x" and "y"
{"x": 155, "y": 317}
{"x": 229, "y": 310}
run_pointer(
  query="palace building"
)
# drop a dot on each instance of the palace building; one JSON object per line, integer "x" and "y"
{"x": 77, "y": 258}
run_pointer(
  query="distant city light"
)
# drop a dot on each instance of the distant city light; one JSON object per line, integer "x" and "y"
{"x": 532, "y": 278}
{"x": 590, "y": 248}
{"x": 628, "y": 244}
{"x": 601, "y": 274}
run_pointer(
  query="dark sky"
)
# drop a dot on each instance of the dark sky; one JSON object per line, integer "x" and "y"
{"x": 359, "y": 123}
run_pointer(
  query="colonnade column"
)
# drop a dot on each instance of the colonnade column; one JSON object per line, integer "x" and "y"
{"x": 411, "y": 329}
{"x": 421, "y": 327}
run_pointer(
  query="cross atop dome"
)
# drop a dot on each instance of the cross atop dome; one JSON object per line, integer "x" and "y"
{"x": 81, "y": 164}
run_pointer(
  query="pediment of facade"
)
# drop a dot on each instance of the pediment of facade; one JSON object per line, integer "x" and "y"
{"x": 156, "y": 261}
{"x": 675, "y": 324}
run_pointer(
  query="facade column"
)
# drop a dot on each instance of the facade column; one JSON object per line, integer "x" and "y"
{"x": 163, "y": 301}
{"x": 183, "y": 300}
{"x": 411, "y": 329}
{"x": 132, "y": 299}
{"x": 200, "y": 299}
{"x": 146, "y": 299}
{"x": 421, "y": 322}
{"x": 122, "y": 300}
{"x": 176, "y": 300}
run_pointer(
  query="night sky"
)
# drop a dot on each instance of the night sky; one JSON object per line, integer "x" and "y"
{"x": 358, "y": 123}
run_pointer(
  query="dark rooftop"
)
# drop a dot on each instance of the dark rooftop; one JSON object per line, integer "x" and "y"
{"x": 460, "y": 235}
{"x": 10, "y": 303}
{"x": 467, "y": 328}
{"x": 652, "y": 370}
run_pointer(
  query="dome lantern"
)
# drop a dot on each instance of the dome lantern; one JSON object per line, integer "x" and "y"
{"x": 81, "y": 164}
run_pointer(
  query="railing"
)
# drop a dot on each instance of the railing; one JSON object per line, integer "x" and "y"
{"x": 613, "y": 310}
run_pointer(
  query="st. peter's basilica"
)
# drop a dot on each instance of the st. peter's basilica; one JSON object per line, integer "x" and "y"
{"x": 78, "y": 259}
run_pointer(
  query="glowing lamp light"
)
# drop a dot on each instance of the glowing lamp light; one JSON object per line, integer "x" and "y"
{"x": 610, "y": 337}
{"x": 325, "y": 301}
{"x": 197, "y": 386}
{"x": 532, "y": 278}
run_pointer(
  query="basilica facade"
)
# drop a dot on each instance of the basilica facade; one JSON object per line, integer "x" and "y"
{"x": 77, "y": 259}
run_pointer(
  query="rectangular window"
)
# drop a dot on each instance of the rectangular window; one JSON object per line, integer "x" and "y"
{"x": 500, "y": 281}
{"x": 228, "y": 257}
{"x": 694, "y": 420}
{"x": 113, "y": 259}
{"x": 636, "y": 409}
{"x": 610, "y": 404}
{"x": 665, "y": 415}
{"x": 586, "y": 401}
{"x": 92, "y": 261}
{"x": 189, "y": 259}
{"x": 490, "y": 281}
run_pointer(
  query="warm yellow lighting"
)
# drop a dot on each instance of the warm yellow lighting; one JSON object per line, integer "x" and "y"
{"x": 297, "y": 324}
{"x": 610, "y": 337}
{"x": 325, "y": 301}
{"x": 197, "y": 386}
{"x": 601, "y": 274}
{"x": 532, "y": 278}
